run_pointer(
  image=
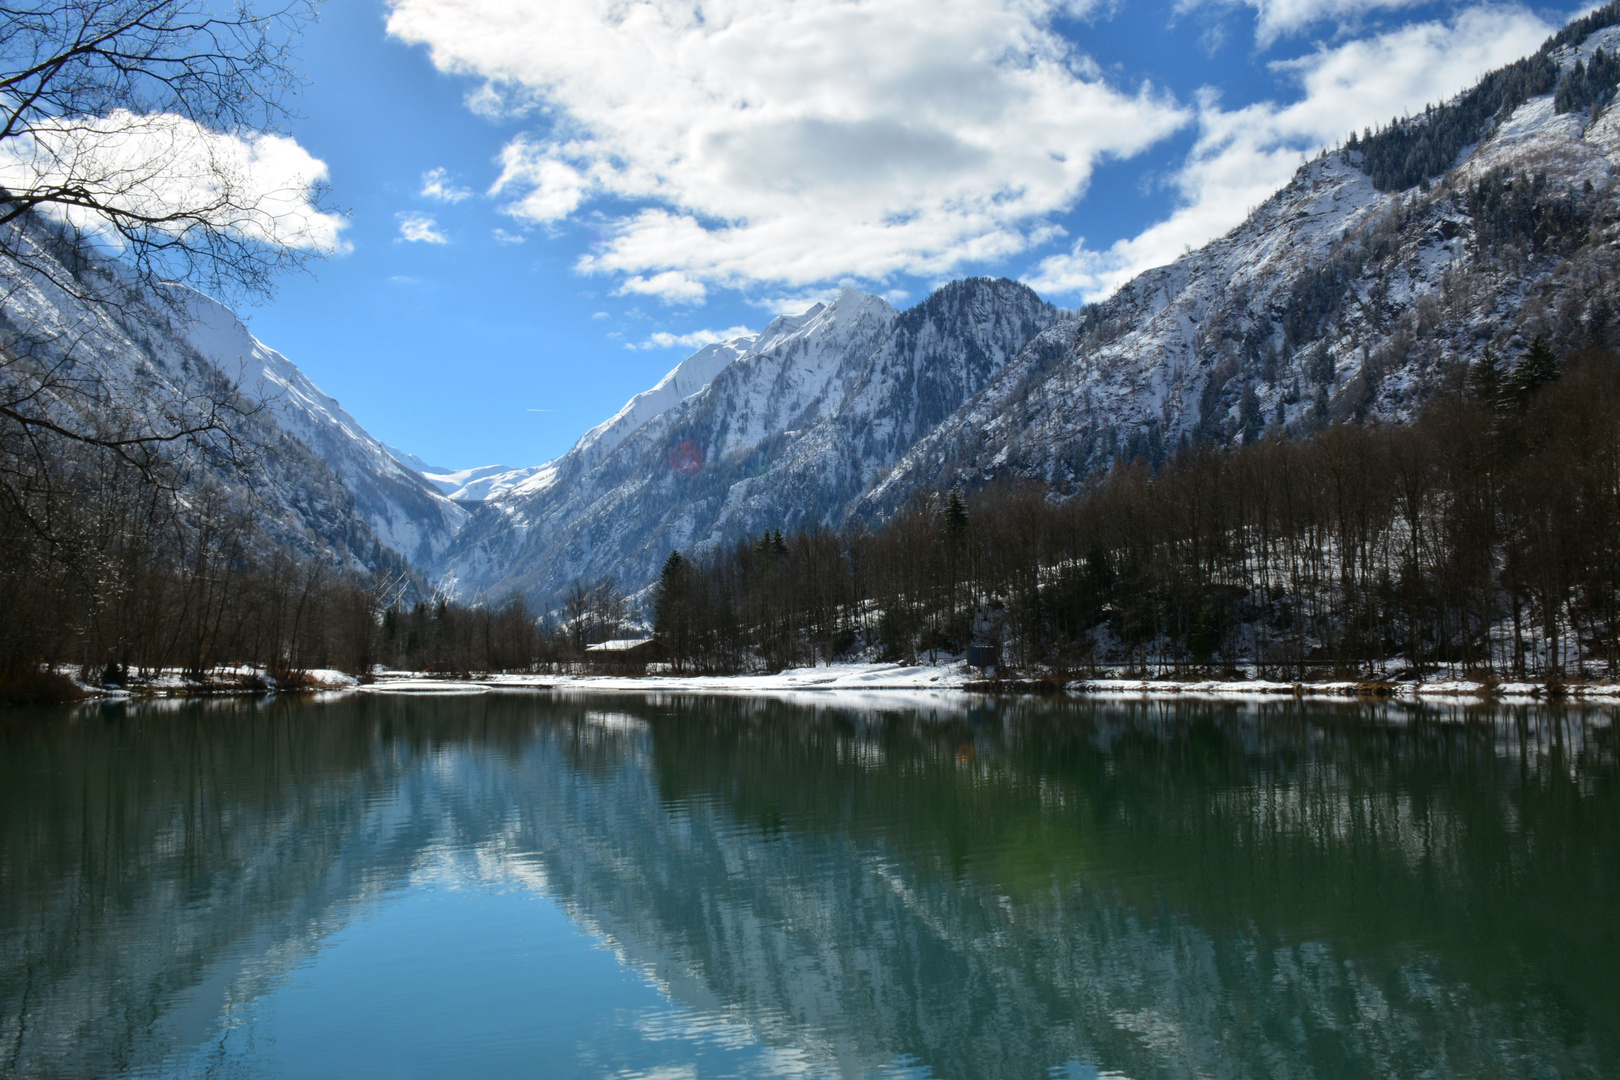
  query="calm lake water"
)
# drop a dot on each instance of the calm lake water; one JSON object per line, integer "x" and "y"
{"x": 520, "y": 885}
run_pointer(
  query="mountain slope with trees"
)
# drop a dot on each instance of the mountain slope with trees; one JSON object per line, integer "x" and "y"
{"x": 1345, "y": 296}
{"x": 1483, "y": 533}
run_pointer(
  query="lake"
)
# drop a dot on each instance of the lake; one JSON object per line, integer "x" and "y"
{"x": 690, "y": 887}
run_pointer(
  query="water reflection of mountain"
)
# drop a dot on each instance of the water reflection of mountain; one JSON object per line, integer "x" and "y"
{"x": 1159, "y": 890}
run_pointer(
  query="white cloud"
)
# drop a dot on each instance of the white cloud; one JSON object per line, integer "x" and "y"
{"x": 504, "y": 237}
{"x": 671, "y": 285}
{"x": 1280, "y": 18}
{"x": 436, "y": 185}
{"x": 1244, "y": 155}
{"x": 695, "y": 340}
{"x": 794, "y": 142}
{"x": 552, "y": 188}
{"x": 420, "y": 229}
{"x": 262, "y": 188}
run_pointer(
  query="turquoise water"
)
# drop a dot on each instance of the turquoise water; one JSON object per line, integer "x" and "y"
{"x": 522, "y": 885}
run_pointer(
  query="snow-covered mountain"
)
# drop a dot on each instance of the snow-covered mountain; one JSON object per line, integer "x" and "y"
{"x": 1333, "y": 300}
{"x": 1374, "y": 278}
{"x": 314, "y": 479}
{"x": 406, "y": 514}
{"x": 475, "y": 484}
{"x": 689, "y": 377}
{"x": 489, "y": 481}
{"x": 786, "y": 433}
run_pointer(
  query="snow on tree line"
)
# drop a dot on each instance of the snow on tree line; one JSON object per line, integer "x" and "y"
{"x": 1485, "y": 534}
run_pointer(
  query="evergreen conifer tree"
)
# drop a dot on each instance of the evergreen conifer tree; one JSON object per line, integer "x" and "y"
{"x": 672, "y": 606}
{"x": 956, "y": 518}
{"x": 1485, "y": 379}
{"x": 1535, "y": 369}
{"x": 1599, "y": 320}
{"x": 1250, "y": 421}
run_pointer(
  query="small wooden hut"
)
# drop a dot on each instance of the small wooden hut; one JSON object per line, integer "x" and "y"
{"x": 624, "y": 656}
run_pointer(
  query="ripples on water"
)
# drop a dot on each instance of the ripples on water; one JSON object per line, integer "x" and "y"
{"x": 679, "y": 887}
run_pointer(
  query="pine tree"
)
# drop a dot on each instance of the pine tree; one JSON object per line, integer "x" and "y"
{"x": 1250, "y": 421}
{"x": 1572, "y": 90}
{"x": 1535, "y": 369}
{"x": 672, "y": 606}
{"x": 1485, "y": 379}
{"x": 1322, "y": 367}
{"x": 956, "y": 518}
{"x": 1599, "y": 319}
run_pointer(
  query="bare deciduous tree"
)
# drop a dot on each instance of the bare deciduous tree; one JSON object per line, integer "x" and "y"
{"x": 139, "y": 146}
{"x": 149, "y": 127}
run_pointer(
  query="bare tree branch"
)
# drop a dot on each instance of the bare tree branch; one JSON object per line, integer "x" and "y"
{"x": 134, "y": 125}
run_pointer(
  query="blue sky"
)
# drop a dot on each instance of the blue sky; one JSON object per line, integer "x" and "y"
{"x": 550, "y": 204}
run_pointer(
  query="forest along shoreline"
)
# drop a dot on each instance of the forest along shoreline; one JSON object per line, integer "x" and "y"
{"x": 951, "y": 676}
{"x": 1478, "y": 544}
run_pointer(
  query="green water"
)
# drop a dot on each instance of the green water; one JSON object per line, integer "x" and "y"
{"x": 671, "y": 888}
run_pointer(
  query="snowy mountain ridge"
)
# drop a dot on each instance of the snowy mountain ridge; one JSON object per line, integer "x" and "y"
{"x": 688, "y": 377}
{"x": 136, "y": 362}
{"x": 404, "y": 512}
{"x": 783, "y": 436}
{"x": 1335, "y": 300}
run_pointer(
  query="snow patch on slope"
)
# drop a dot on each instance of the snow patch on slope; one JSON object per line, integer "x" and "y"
{"x": 688, "y": 377}
{"x": 484, "y": 482}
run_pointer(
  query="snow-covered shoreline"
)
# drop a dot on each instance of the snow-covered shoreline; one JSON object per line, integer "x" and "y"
{"x": 173, "y": 683}
{"x": 876, "y": 678}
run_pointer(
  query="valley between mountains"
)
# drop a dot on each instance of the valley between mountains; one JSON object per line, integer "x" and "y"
{"x": 1381, "y": 275}
{"x": 1339, "y": 298}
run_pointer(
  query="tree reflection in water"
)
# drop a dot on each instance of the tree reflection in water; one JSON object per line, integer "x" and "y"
{"x": 1161, "y": 888}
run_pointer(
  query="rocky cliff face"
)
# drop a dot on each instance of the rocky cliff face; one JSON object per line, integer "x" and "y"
{"x": 786, "y": 435}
